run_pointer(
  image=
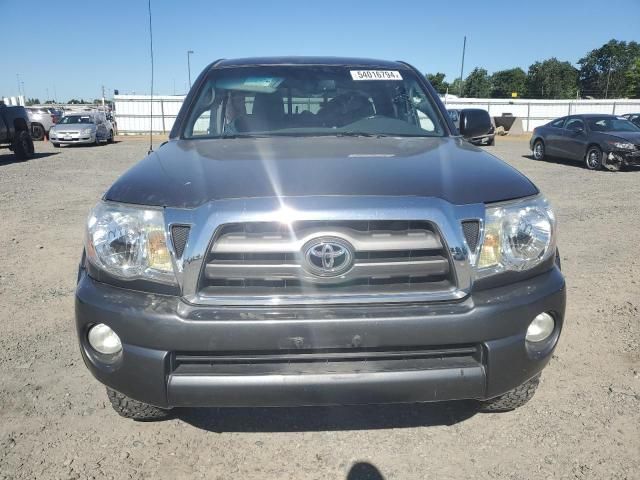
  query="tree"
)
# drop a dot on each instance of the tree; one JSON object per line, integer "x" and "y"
{"x": 75, "y": 101}
{"x": 438, "y": 82}
{"x": 32, "y": 101}
{"x": 633, "y": 80}
{"x": 455, "y": 87}
{"x": 477, "y": 84}
{"x": 604, "y": 71}
{"x": 505, "y": 82}
{"x": 552, "y": 79}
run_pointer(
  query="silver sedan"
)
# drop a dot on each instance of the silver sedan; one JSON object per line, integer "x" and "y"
{"x": 82, "y": 128}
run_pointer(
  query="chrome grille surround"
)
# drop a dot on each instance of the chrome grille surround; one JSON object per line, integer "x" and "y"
{"x": 207, "y": 221}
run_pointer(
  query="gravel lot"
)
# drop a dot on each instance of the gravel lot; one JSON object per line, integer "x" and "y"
{"x": 55, "y": 421}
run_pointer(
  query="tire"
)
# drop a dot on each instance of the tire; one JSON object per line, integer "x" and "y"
{"x": 23, "y": 145}
{"x": 593, "y": 158}
{"x": 135, "y": 410}
{"x": 538, "y": 150}
{"x": 37, "y": 131}
{"x": 491, "y": 143}
{"x": 513, "y": 398}
{"x": 56, "y": 145}
{"x": 110, "y": 139}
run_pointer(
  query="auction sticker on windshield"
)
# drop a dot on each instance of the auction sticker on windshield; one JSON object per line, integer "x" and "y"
{"x": 376, "y": 75}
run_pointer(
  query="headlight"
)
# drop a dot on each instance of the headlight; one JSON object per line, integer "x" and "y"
{"x": 87, "y": 131}
{"x": 622, "y": 145}
{"x": 129, "y": 243}
{"x": 517, "y": 236}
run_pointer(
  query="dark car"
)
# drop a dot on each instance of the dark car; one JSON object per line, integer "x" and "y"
{"x": 15, "y": 130}
{"x": 315, "y": 232}
{"x": 487, "y": 138}
{"x": 633, "y": 118}
{"x": 598, "y": 141}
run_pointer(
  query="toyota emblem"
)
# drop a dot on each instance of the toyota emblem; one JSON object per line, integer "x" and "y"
{"x": 328, "y": 256}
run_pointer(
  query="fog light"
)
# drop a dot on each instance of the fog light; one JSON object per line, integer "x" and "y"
{"x": 104, "y": 340}
{"x": 541, "y": 327}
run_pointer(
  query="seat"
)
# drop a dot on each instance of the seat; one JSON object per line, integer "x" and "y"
{"x": 268, "y": 111}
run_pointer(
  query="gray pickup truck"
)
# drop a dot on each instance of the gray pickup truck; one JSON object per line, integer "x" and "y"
{"x": 316, "y": 232}
{"x": 15, "y": 131}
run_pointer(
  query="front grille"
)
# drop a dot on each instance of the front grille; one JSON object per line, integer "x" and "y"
{"x": 329, "y": 360}
{"x": 266, "y": 258}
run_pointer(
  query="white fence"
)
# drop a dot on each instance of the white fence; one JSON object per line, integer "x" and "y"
{"x": 538, "y": 112}
{"x": 133, "y": 111}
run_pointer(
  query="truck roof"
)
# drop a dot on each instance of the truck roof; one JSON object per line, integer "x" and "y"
{"x": 295, "y": 60}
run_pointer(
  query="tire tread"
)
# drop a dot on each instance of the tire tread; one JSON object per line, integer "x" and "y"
{"x": 512, "y": 399}
{"x": 133, "y": 409}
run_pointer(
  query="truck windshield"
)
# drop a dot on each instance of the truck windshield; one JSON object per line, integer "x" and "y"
{"x": 312, "y": 101}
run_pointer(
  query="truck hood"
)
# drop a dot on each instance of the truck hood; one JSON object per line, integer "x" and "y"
{"x": 189, "y": 173}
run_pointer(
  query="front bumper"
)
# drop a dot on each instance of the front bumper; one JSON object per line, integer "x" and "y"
{"x": 73, "y": 139}
{"x": 175, "y": 354}
{"x": 483, "y": 140}
{"x": 622, "y": 158}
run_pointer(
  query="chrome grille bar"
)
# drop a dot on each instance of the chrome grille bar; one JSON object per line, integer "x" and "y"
{"x": 294, "y": 241}
{"x": 415, "y": 267}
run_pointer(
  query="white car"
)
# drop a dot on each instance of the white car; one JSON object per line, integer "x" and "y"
{"x": 42, "y": 119}
{"x": 82, "y": 128}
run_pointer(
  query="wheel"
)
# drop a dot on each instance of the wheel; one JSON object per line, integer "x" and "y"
{"x": 23, "y": 145}
{"x": 37, "y": 131}
{"x": 492, "y": 142}
{"x": 110, "y": 139}
{"x": 538, "y": 150}
{"x": 513, "y": 398}
{"x": 133, "y": 409}
{"x": 593, "y": 158}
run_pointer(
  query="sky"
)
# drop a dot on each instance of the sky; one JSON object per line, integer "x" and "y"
{"x": 71, "y": 52}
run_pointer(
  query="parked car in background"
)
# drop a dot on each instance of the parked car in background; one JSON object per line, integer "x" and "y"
{"x": 608, "y": 141}
{"x": 633, "y": 118}
{"x": 485, "y": 139}
{"x": 82, "y": 128}
{"x": 111, "y": 123}
{"x": 15, "y": 131}
{"x": 42, "y": 119}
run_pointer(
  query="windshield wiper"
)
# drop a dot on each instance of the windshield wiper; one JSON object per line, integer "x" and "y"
{"x": 360, "y": 134}
{"x": 242, "y": 135}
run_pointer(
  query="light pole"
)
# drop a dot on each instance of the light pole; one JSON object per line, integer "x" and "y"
{"x": 189, "y": 52}
{"x": 464, "y": 48}
{"x": 606, "y": 91}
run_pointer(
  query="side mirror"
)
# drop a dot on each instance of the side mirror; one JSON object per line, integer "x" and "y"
{"x": 474, "y": 122}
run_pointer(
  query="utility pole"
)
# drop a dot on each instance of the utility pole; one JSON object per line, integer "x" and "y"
{"x": 189, "y": 52}
{"x": 55, "y": 94}
{"x": 464, "y": 47}
{"x": 606, "y": 91}
{"x": 18, "y": 77}
{"x": 102, "y": 96}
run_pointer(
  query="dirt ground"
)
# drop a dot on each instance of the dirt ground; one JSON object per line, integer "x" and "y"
{"x": 55, "y": 421}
